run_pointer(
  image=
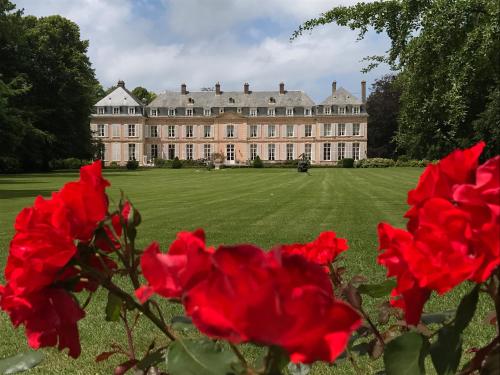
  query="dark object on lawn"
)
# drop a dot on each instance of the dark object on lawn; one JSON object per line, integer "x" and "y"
{"x": 304, "y": 163}
{"x": 176, "y": 164}
{"x": 347, "y": 163}
{"x": 132, "y": 164}
{"x": 257, "y": 162}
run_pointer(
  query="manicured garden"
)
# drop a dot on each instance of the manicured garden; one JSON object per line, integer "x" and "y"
{"x": 265, "y": 207}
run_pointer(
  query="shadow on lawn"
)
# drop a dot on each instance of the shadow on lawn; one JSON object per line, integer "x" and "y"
{"x": 12, "y": 194}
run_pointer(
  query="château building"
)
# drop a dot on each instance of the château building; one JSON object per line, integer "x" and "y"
{"x": 275, "y": 125}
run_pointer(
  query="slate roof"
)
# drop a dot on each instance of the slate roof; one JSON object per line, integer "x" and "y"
{"x": 208, "y": 99}
{"x": 119, "y": 97}
{"x": 341, "y": 97}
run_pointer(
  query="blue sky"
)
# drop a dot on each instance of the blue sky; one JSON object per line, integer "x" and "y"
{"x": 160, "y": 44}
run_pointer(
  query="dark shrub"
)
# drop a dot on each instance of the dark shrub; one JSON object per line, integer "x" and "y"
{"x": 162, "y": 163}
{"x": 176, "y": 164}
{"x": 347, "y": 163}
{"x": 132, "y": 164}
{"x": 257, "y": 162}
{"x": 303, "y": 165}
{"x": 113, "y": 164}
{"x": 9, "y": 165}
{"x": 375, "y": 163}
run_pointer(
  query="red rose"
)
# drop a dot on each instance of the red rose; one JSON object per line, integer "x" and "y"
{"x": 108, "y": 238}
{"x": 322, "y": 250}
{"x": 49, "y": 316}
{"x": 271, "y": 299}
{"x": 170, "y": 274}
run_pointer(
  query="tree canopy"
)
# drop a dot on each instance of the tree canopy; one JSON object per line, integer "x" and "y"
{"x": 447, "y": 53}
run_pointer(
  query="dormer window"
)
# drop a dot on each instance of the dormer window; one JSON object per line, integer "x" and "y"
{"x": 191, "y": 101}
{"x": 238, "y": 110}
{"x": 131, "y": 110}
{"x": 307, "y": 111}
{"x": 231, "y": 100}
{"x": 341, "y": 110}
{"x": 171, "y": 111}
{"x": 221, "y": 110}
{"x": 289, "y": 111}
{"x": 154, "y": 112}
{"x": 116, "y": 110}
{"x": 271, "y": 112}
{"x": 355, "y": 109}
{"x": 189, "y": 111}
{"x": 207, "y": 112}
{"x": 272, "y": 100}
{"x": 253, "y": 112}
{"x": 100, "y": 110}
{"x": 327, "y": 110}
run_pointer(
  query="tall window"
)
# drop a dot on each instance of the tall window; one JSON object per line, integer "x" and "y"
{"x": 131, "y": 151}
{"x": 189, "y": 131}
{"x": 308, "y": 151}
{"x": 253, "y": 151}
{"x": 253, "y": 112}
{"x": 116, "y": 130}
{"x": 189, "y": 152}
{"x": 207, "y": 112}
{"x": 271, "y": 112}
{"x": 154, "y": 152}
{"x": 355, "y": 151}
{"x": 271, "y": 150}
{"x": 253, "y": 131}
{"x": 116, "y": 110}
{"x": 355, "y": 129}
{"x": 230, "y": 152}
{"x": 207, "y": 131}
{"x": 308, "y": 131}
{"x": 271, "y": 131}
{"x": 171, "y": 112}
{"x": 100, "y": 110}
{"x": 327, "y": 110}
{"x": 327, "y": 130}
{"x": 171, "y": 151}
{"x": 230, "y": 131}
{"x": 171, "y": 131}
{"x": 341, "y": 129}
{"x": 131, "y": 110}
{"x": 289, "y": 151}
{"x": 131, "y": 130}
{"x": 327, "y": 151}
{"x": 289, "y": 130}
{"x": 100, "y": 130}
{"x": 289, "y": 111}
{"x": 355, "y": 110}
{"x": 189, "y": 111}
{"x": 307, "y": 111}
{"x": 153, "y": 131}
{"x": 207, "y": 152}
{"x": 154, "y": 112}
{"x": 341, "y": 151}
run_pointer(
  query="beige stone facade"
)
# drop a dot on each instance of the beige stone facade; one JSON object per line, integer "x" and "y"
{"x": 240, "y": 125}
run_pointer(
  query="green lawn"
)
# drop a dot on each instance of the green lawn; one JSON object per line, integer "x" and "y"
{"x": 264, "y": 207}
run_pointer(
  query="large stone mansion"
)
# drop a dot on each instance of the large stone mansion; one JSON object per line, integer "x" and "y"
{"x": 276, "y": 125}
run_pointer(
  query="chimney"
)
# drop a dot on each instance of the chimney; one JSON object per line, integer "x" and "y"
{"x": 246, "y": 88}
{"x": 363, "y": 91}
{"x": 334, "y": 87}
{"x": 183, "y": 89}
{"x": 282, "y": 88}
{"x": 120, "y": 84}
{"x": 217, "y": 88}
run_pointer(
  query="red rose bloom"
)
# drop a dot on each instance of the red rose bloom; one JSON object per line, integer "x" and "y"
{"x": 271, "y": 299}
{"x": 322, "y": 250}
{"x": 170, "y": 274}
{"x": 50, "y": 317}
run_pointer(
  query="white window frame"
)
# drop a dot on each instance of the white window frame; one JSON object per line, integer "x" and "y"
{"x": 271, "y": 151}
{"x": 341, "y": 130}
{"x": 205, "y": 133}
{"x": 271, "y": 131}
{"x": 308, "y": 153}
{"x": 307, "y": 112}
{"x": 327, "y": 110}
{"x": 308, "y": 133}
{"x": 101, "y": 130}
{"x": 253, "y": 151}
{"x": 116, "y": 110}
{"x": 253, "y": 112}
{"x": 132, "y": 149}
{"x": 100, "y": 110}
{"x": 115, "y": 130}
{"x": 288, "y": 133}
{"x": 207, "y": 112}
{"x": 342, "y": 111}
{"x": 153, "y": 134}
{"x": 131, "y": 110}
{"x": 253, "y": 131}
{"x": 153, "y": 112}
{"x": 171, "y": 131}
{"x": 238, "y": 110}
{"x": 340, "y": 151}
{"x": 356, "y": 126}
{"x": 189, "y": 131}
{"x": 189, "y": 151}
{"x": 355, "y": 150}
{"x": 290, "y": 111}
{"x": 355, "y": 109}
{"x": 290, "y": 151}
{"x": 171, "y": 147}
{"x": 230, "y": 152}
{"x": 171, "y": 111}
{"x": 207, "y": 151}
{"x": 230, "y": 131}
{"x": 327, "y": 130}
{"x": 271, "y": 112}
{"x": 327, "y": 151}
{"x": 131, "y": 130}
{"x": 189, "y": 112}
{"x": 152, "y": 147}
{"x": 221, "y": 110}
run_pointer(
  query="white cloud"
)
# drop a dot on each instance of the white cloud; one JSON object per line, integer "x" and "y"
{"x": 200, "y": 42}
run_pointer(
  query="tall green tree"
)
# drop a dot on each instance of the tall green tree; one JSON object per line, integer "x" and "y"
{"x": 448, "y": 56}
{"x": 383, "y": 109}
{"x": 143, "y": 94}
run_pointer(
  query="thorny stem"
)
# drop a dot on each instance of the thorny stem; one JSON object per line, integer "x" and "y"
{"x": 376, "y": 332}
{"x": 130, "y": 339}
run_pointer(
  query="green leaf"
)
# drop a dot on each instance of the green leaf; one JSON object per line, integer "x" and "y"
{"x": 446, "y": 351}
{"x": 113, "y": 308}
{"x": 405, "y": 355}
{"x": 151, "y": 359}
{"x": 377, "y": 290}
{"x": 183, "y": 323}
{"x": 20, "y": 362}
{"x": 438, "y": 317}
{"x": 200, "y": 357}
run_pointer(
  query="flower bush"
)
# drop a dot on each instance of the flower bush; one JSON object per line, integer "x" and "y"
{"x": 293, "y": 299}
